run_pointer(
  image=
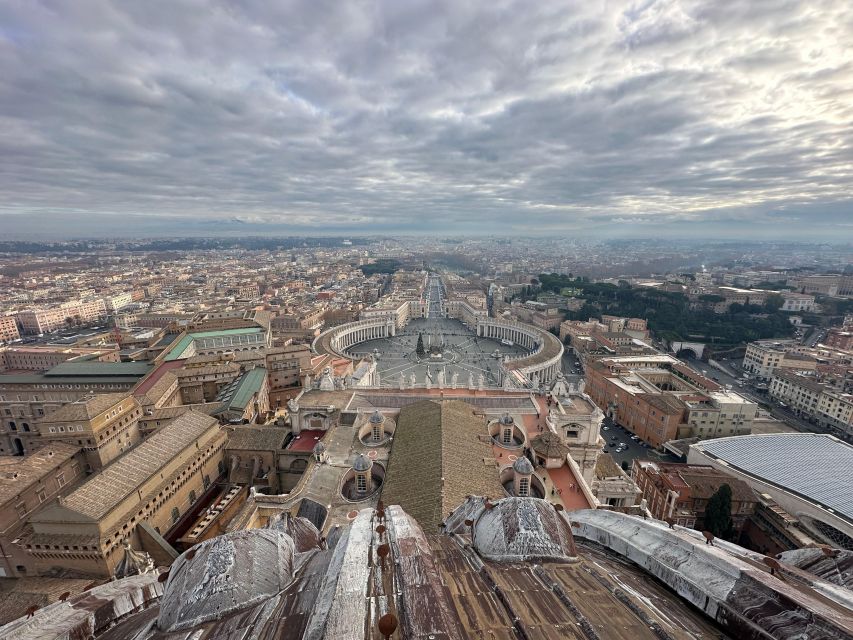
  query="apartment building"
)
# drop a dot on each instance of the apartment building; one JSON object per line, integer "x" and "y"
{"x": 47, "y": 320}
{"x": 763, "y": 357}
{"x": 815, "y": 401}
{"x": 156, "y": 485}
{"x": 839, "y": 339}
{"x": 8, "y": 329}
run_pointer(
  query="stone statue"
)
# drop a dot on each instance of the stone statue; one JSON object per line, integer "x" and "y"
{"x": 412, "y": 378}
{"x": 482, "y": 381}
{"x": 402, "y": 380}
{"x": 470, "y": 379}
{"x": 581, "y": 386}
{"x": 454, "y": 379}
{"x": 441, "y": 379}
{"x": 134, "y": 563}
{"x": 292, "y": 406}
{"x": 326, "y": 382}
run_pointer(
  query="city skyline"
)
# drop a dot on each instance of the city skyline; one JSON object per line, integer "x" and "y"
{"x": 655, "y": 119}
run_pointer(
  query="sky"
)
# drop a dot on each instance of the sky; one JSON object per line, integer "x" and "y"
{"x": 653, "y": 118}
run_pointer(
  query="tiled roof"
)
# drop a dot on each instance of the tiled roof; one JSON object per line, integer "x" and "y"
{"x": 253, "y": 438}
{"x": 86, "y": 408}
{"x": 438, "y": 460}
{"x": 104, "y": 491}
{"x": 17, "y": 472}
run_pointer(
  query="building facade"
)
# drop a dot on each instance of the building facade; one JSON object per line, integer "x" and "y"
{"x": 155, "y": 484}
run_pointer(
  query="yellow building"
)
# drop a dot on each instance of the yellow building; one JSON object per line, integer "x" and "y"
{"x": 155, "y": 485}
{"x": 104, "y": 425}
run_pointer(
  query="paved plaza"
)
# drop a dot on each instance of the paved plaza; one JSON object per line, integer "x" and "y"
{"x": 453, "y": 352}
{"x": 460, "y": 353}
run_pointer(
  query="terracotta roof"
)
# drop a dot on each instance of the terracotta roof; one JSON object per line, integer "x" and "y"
{"x": 86, "y": 408}
{"x": 606, "y": 467}
{"x": 106, "y": 490}
{"x": 19, "y": 472}
{"x": 549, "y": 445}
{"x": 437, "y": 460}
{"x": 248, "y": 438}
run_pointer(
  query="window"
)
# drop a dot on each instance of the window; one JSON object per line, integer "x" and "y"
{"x": 377, "y": 432}
{"x": 60, "y": 479}
{"x": 176, "y": 515}
{"x": 21, "y": 509}
{"x": 41, "y": 495}
{"x": 524, "y": 487}
{"x": 361, "y": 483}
{"x": 192, "y": 497}
{"x": 507, "y": 435}
{"x": 206, "y": 481}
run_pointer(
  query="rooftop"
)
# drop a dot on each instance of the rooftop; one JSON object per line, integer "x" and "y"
{"x": 238, "y": 393}
{"x": 438, "y": 459}
{"x": 18, "y": 472}
{"x": 104, "y": 491}
{"x": 86, "y": 408}
{"x": 814, "y": 465}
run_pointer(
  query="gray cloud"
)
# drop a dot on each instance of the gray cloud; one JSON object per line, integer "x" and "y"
{"x": 430, "y": 116}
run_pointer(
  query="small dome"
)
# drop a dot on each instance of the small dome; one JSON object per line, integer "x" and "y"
{"x": 224, "y": 574}
{"x": 319, "y": 447}
{"x": 522, "y": 466}
{"x": 523, "y": 529}
{"x": 506, "y": 419}
{"x": 361, "y": 463}
{"x": 377, "y": 418}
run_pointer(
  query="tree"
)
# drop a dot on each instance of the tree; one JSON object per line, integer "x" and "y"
{"x": 420, "y": 348}
{"x": 718, "y": 513}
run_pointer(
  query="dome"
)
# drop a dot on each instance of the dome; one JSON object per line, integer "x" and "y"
{"x": 361, "y": 463}
{"x": 523, "y": 529}
{"x": 506, "y": 419}
{"x": 522, "y": 466}
{"x": 319, "y": 448}
{"x": 377, "y": 418}
{"x": 225, "y": 574}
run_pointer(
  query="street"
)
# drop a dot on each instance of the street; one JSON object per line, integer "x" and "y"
{"x": 615, "y": 435}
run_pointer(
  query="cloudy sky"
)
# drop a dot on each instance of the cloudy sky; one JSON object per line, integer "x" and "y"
{"x": 648, "y": 117}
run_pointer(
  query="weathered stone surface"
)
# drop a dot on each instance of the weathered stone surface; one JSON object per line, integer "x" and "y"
{"x": 225, "y": 574}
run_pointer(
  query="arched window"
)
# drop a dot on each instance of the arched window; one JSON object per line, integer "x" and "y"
{"x": 524, "y": 487}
